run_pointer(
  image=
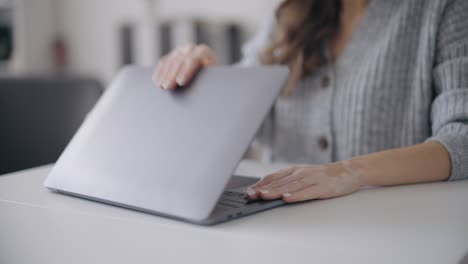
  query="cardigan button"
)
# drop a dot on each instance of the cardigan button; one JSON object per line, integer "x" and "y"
{"x": 323, "y": 143}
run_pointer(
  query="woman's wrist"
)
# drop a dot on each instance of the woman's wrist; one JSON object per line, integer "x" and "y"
{"x": 356, "y": 168}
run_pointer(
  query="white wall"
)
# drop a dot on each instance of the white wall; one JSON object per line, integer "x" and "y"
{"x": 247, "y": 12}
{"x": 90, "y": 28}
{"x": 33, "y": 36}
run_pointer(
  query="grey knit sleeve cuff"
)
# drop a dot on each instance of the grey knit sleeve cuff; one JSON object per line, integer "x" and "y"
{"x": 457, "y": 147}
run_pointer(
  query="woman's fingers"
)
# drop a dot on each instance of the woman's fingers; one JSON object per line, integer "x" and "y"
{"x": 291, "y": 187}
{"x": 283, "y": 181}
{"x": 202, "y": 56}
{"x": 180, "y": 65}
{"x": 188, "y": 70}
{"x": 173, "y": 65}
{"x": 252, "y": 191}
{"x": 169, "y": 82}
{"x": 302, "y": 183}
{"x": 273, "y": 177}
{"x": 273, "y": 185}
{"x": 309, "y": 193}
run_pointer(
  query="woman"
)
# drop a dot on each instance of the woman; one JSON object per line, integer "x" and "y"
{"x": 377, "y": 96}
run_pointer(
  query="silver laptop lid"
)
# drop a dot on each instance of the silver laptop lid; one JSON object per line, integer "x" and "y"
{"x": 167, "y": 152}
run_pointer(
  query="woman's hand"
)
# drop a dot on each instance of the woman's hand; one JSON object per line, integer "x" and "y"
{"x": 308, "y": 182}
{"x": 181, "y": 64}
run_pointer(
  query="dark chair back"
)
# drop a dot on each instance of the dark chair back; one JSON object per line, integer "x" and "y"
{"x": 39, "y": 116}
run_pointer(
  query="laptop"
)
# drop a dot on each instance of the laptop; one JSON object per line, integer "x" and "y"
{"x": 171, "y": 153}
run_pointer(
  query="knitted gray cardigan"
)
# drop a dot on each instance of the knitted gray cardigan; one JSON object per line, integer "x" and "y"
{"x": 401, "y": 80}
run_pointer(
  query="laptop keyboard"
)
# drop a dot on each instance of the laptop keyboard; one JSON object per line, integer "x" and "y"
{"x": 232, "y": 199}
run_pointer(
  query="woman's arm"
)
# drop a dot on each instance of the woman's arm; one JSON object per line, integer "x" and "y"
{"x": 425, "y": 162}
{"x": 420, "y": 163}
{"x": 444, "y": 155}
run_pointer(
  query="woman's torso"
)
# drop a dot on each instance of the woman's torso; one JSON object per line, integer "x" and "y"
{"x": 377, "y": 95}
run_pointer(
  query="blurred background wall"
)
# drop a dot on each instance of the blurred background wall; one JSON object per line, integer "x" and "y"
{"x": 96, "y": 37}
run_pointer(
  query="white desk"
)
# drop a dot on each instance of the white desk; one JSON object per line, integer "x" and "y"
{"x": 409, "y": 224}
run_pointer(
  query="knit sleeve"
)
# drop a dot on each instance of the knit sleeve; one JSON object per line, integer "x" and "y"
{"x": 449, "y": 113}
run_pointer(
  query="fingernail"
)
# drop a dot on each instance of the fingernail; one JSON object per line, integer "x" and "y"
{"x": 264, "y": 191}
{"x": 180, "y": 80}
{"x": 250, "y": 191}
{"x": 165, "y": 85}
{"x": 286, "y": 194}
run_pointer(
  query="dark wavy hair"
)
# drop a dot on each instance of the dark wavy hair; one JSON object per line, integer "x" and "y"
{"x": 302, "y": 28}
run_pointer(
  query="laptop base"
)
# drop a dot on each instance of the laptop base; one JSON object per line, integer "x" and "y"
{"x": 234, "y": 204}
